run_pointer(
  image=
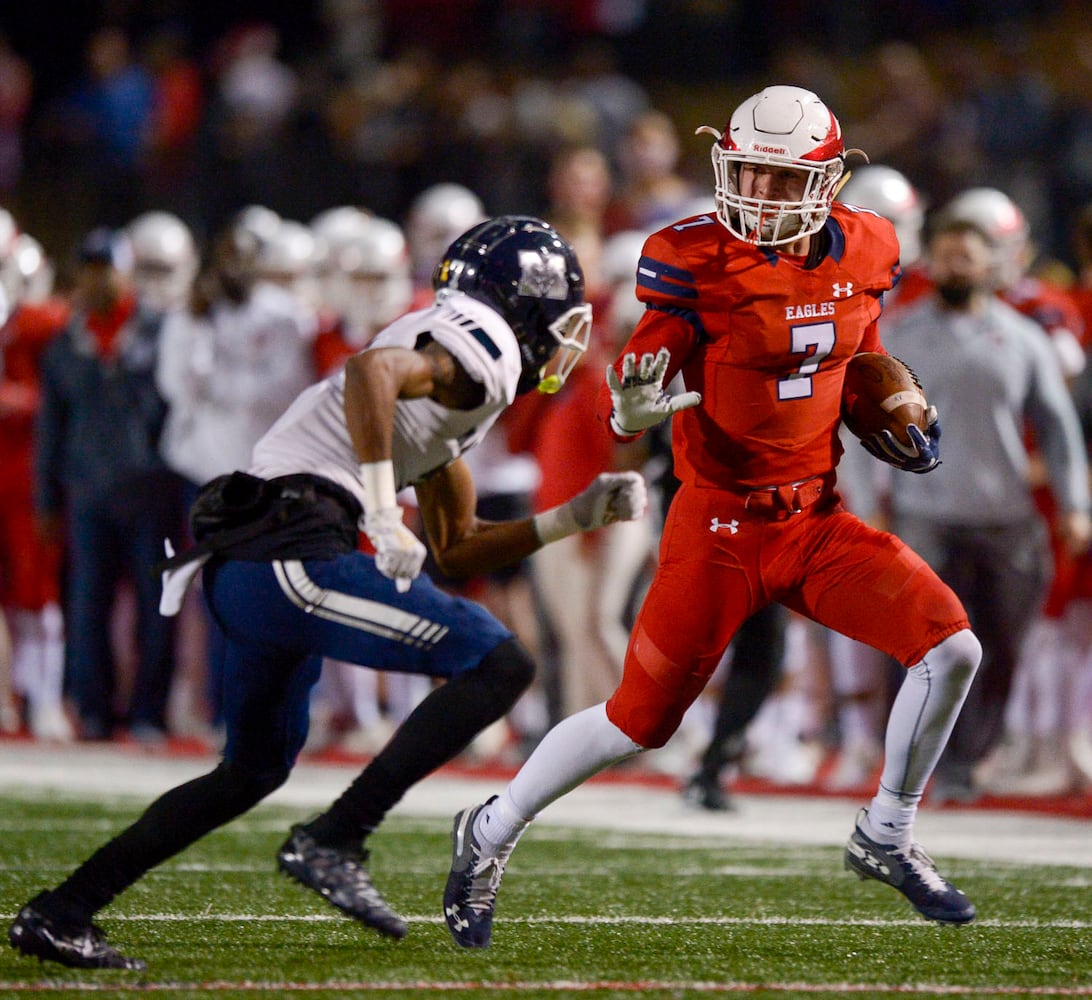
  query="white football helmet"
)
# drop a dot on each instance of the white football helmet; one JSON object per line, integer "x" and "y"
{"x": 288, "y": 257}
{"x": 256, "y": 222}
{"x": 165, "y": 260}
{"x": 887, "y": 192}
{"x": 438, "y": 216}
{"x": 786, "y": 127}
{"x": 369, "y": 284}
{"x": 28, "y": 273}
{"x": 332, "y": 227}
{"x": 1000, "y": 218}
{"x": 621, "y": 255}
{"x": 9, "y": 230}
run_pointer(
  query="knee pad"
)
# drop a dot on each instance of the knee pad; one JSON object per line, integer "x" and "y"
{"x": 959, "y": 654}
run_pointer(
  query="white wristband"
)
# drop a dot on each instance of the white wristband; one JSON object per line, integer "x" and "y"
{"x": 378, "y": 480}
{"x": 558, "y": 522}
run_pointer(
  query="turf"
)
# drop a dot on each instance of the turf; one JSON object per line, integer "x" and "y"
{"x": 581, "y": 914}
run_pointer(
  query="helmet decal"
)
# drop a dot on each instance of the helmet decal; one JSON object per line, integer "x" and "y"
{"x": 542, "y": 276}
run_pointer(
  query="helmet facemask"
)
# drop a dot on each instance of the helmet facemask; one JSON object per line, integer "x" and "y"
{"x": 769, "y": 222}
{"x": 572, "y": 332}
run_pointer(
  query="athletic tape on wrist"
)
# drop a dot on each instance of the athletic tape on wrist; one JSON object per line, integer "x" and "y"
{"x": 558, "y": 522}
{"x": 378, "y": 480}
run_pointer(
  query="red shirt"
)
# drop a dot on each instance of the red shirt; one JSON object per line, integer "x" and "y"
{"x": 105, "y": 326}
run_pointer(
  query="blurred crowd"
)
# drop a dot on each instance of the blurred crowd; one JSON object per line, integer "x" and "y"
{"x": 190, "y": 237}
{"x": 368, "y": 102}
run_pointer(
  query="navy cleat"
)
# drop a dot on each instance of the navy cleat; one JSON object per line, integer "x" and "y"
{"x": 341, "y": 878}
{"x": 73, "y": 943}
{"x": 471, "y": 891}
{"x": 911, "y": 871}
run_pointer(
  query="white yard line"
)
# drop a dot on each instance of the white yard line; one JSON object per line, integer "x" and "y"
{"x": 601, "y": 920}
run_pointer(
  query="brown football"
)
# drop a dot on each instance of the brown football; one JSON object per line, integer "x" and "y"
{"x": 880, "y": 393}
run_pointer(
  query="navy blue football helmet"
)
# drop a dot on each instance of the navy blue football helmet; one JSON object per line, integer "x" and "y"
{"x": 521, "y": 267}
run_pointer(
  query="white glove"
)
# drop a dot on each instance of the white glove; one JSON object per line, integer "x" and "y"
{"x": 610, "y": 497}
{"x": 399, "y": 553}
{"x": 639, "y": 400}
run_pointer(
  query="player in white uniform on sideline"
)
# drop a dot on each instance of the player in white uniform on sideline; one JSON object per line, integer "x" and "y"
{"x": 286, "y": 580}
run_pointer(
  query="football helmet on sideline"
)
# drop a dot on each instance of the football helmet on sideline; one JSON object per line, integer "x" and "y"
{"x": 523, "y": 268}
{"x": 165, "y": 260}
{"x": 372, "y": 286}
{"x": 887, "y": 192}
{"x": 1001, "y": 220}
{"x": 438, "y": 215}
{"x": 785, "y": 127}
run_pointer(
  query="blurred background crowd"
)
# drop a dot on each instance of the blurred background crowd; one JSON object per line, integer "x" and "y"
{"x": 218, "y": 203}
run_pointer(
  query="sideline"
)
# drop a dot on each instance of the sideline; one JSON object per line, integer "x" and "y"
{"x": 617, "y": 805}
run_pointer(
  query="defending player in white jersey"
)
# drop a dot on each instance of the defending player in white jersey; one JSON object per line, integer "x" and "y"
{"x": 285, "y": 579}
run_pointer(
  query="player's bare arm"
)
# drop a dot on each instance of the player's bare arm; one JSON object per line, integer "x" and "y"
{"x": 376, "y": 379}
{"x": 463, "y": 544}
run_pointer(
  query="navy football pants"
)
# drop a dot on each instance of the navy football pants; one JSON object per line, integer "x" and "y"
{"x": 281, "y": 618}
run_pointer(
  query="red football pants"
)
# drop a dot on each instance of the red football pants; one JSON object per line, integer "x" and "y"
{"x": 719, "y": 564}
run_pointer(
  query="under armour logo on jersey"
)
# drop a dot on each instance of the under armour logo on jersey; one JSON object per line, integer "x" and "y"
{"x": 542, "y": 276}
{"x": 838, "y": 290}
{"x": 716, "y": 524}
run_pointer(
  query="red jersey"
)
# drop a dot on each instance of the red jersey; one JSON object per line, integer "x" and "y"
{"x": 23, "y": 338}
{"x": 1050, "y": 306}
{"x": 1081, "y": 297}
{"x": 764, "y": 339}
{"x": 29, "y": 568}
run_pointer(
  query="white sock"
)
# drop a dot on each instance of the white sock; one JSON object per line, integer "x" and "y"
{"x": 499, "y": 825}
{"x": 918, "y": 728}
{"x": 26, "y": 651}
{"x": 51, "y": 684}
{"x": 569, "y": 754}
{"x": 890, "y": 824}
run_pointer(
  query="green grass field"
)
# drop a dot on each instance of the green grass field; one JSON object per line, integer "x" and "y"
{"x": 581, "y": 914}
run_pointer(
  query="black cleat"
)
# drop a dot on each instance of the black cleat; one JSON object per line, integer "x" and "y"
{"x": 705, "y": 793}
{"x": 77, "y": 945}
{"x": 912, "y": 872}
{"x": 340, "y": 878}
{"x": 471, "y": 891}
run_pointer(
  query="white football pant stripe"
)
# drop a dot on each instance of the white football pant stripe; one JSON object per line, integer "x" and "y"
{"x": 355, "y": 612}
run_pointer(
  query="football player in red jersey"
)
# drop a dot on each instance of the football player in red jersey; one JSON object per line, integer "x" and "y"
{"x": 759, "y": 308}
{"x": 30, "y": 564}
